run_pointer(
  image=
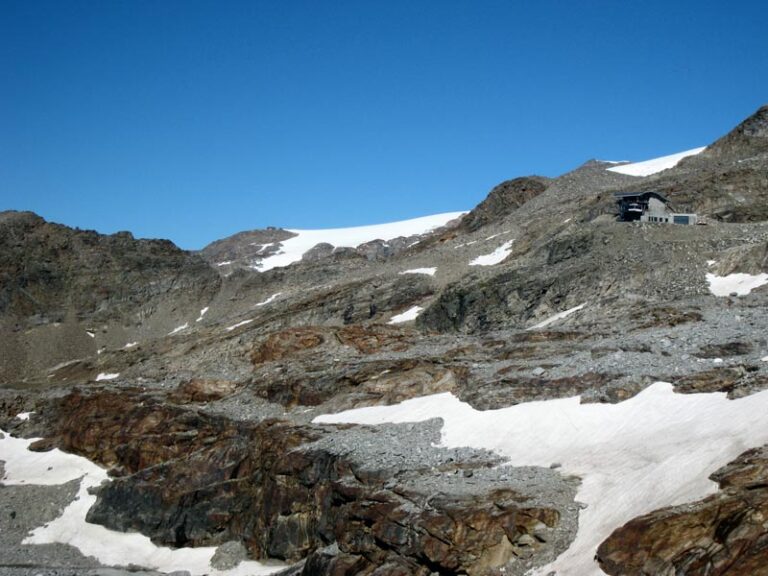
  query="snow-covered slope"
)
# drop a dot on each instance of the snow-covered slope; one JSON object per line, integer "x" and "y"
{"x": 648, "y": 167}
{"x": 26, "y": 468}
{"x": 294, "y": 248}
{"x": 656, "y": 449}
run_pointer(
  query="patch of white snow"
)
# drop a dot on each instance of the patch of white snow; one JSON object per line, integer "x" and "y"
{"x": 179, "y": 329}
{"x": 107, "y": 376}
{"x": 558, "y": 316}
{"x": 243, "y": 323}
{"x": 202, "y": 313}
{"x": 130, "y": 345}
{"x": 428, "y": 271}
{"x": 91, "y": 334}
{"x": 494, "y": 257}
{"x": 406, "y": 316}
{"x": 24, "y": 415}
{"x": 738, "y": 283}
{"x": 270, "y": 299}
{"x": 648, "y": 167}
{"x": 654, "y": 450}
{"x": 225, "y": 263}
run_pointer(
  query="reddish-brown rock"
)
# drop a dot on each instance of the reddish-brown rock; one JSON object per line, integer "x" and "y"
{"x": 725, "y": 534}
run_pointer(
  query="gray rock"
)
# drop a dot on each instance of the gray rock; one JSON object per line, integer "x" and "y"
{"x": 229, "y": 555}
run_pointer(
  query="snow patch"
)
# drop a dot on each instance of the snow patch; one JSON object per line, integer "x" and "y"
{"x": 428, "y": 271}
{"x": 243, "y": 323}
{"x": 130, "y": 345}
{"x": 55, "y": 467}
{"x": 654, "y": 450}
{"x": 558, "y": 316}
{"x": 202, "y": 313}
{"x": 654, "y": 165}
{"x": 24, "y": 415}
{"x": 270, "y": 299}
{"x": 294, "y": 248}
{"x": 494, "y": 257}
{"x": 225, "y": 263}
{"x": 740, "y": 284}
{"x": 179, "y": 329}
{"x": 406, "y": 316}
{"x": 107, "y": 376}
{"x": 91, "y": 334}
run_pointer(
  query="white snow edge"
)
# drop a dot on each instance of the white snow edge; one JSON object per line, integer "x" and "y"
{"x": 737, "y": 283}
{"x": 648, "y": 167}
{"x": 295, "y": 247}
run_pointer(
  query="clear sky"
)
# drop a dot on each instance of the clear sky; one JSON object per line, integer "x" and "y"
{"x": 192, "y": 120}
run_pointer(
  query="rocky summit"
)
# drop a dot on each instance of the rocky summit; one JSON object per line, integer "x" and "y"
{"x": 533, "y": 387}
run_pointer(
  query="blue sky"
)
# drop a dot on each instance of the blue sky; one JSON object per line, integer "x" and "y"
{"x": 193, "y": 120}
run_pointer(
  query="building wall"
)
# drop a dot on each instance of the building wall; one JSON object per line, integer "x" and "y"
{"x": 656, "y": 207}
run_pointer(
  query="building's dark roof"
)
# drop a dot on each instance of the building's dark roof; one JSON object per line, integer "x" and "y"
{"x": 628, "y": 195}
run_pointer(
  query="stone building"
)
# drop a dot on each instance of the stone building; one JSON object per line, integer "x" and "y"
{"x": 649, "y": 207}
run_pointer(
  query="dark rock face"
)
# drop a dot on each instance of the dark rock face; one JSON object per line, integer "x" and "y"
{"x": 508, "y": 391}
{"x": 503, "y": 200}
{"x": 736, "y": 348}
{"x": 188, "y": 479}
{"x": 48, "y": 271}
{"x": 723, "y": 534}
{"x": 488, "y": 303}
{"x": 737, "y": 381}
{"x": 748, "y": 139}
{"x": 56, "y": 283}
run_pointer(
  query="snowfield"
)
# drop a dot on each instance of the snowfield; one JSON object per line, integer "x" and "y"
{"x": 294, "y": 248}
{"x": 648, "y": 167}
{"x": 54, "y": 467}
{"x": 739, "y": 284}
{"x": 654, "y": 450}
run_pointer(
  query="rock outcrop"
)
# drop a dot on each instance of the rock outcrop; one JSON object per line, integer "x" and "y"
{"x": 725, "y": 534}
{"x": 502, "y": 200}
{"x": 189, "y": 479}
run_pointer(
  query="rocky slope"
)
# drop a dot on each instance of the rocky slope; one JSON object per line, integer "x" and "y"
{"x": 196, "y": 379}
